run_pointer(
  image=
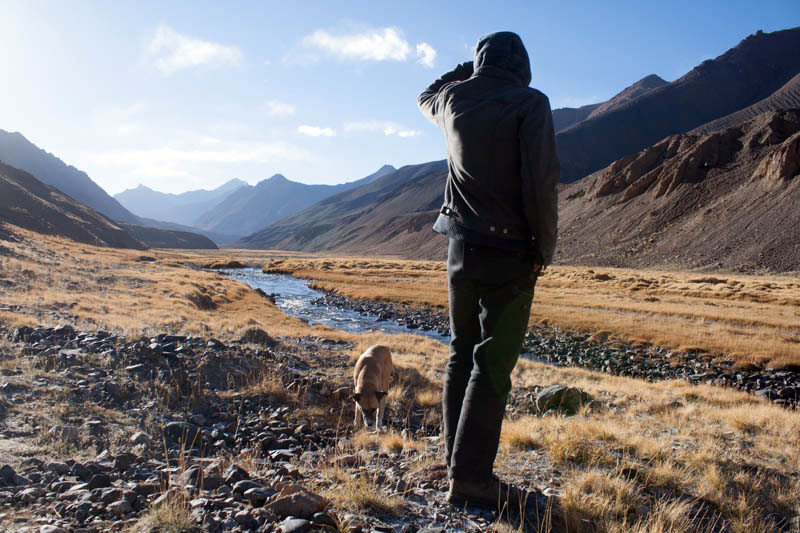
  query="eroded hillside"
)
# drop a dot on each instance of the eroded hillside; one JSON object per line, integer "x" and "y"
{"x": 727, "y": 199}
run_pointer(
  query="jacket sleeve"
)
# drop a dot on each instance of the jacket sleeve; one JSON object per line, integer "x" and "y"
{"x": 428, "y": 101}
{"x": 540, "y": 174}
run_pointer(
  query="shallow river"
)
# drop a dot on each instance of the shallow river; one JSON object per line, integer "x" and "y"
{"x": 296, "y": 298}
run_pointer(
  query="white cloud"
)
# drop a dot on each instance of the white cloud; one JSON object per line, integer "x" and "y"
{"x": 387, "y": 128}
{"x": 426, "y": 54}
{"x": 316, "y": 131}
{"x": 276, "y": 108}
{"x": 374, "y": 45}
{"x": 172, "y": 51}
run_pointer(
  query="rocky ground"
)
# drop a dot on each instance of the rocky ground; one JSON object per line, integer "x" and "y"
{"x": 565, "y": 348}
{"x": 103, "y": 433}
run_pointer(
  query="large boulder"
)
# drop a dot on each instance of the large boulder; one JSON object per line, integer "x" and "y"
{"x": 561, "y": 399}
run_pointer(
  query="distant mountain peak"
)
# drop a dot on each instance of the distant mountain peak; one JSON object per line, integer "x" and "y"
{"x": 651, "y": 79}
{"x": 274, "y": 179}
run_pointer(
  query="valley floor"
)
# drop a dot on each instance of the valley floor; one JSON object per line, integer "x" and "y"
{"x": 664, "y": 456}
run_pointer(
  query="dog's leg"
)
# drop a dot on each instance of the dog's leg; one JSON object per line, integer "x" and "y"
{"x": 381, "y": 411}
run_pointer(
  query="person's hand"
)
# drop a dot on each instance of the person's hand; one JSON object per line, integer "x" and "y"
{"x": 464, "y": 70}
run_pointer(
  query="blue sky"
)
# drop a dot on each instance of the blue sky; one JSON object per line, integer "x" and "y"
{"x": 186, "y": 95}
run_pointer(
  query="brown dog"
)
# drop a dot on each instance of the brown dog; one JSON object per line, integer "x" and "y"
{"x": 372, "y": 376}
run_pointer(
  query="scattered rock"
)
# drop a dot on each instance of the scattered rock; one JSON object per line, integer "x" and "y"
{"x": 235, "y": 473}
{"x": 98, "y": 481}
{"x": 182, "y": 433}
{"x": 120, "y": 508}
{"x": 66, "y": 434}
{"x": 140, "y": 437}
{"x": 52, "y": 529}
{"x": 59, "y": 468}
{"x": 295, "y": 525}
{"x": 293, "y": 500}
{"x": 7, "y": 473}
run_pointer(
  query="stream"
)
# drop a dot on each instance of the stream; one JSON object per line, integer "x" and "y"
{"x": 295, "y": 298}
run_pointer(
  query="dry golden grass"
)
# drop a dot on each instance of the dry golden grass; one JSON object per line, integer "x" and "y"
{"x": 173, "y": 515}
{"x": 699, "y": 443}
{"x": 363, "y": 494}
{"x": 386, "y": 441}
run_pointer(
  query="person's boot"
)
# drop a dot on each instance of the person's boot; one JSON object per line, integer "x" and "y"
{"x": 493, "y": 494}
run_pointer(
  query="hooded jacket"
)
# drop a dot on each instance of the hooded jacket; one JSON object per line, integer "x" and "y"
{"x": 501, "y": 151}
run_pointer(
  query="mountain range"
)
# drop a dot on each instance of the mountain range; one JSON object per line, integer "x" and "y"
{"x": 751, "y": 71}
{"x": 390, "y": 214}
{"x": 252, "y": 208}
{"x": 183, "y": 208}
{"x": 18, "y": 152}
{"x": 729, "y": 104}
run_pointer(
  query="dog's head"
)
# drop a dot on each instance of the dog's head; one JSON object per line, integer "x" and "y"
{"x": 369, "y": 400}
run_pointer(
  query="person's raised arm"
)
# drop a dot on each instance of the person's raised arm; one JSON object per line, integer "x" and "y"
{"x": 428, "y": 102}
{"x": 540, "y": 174}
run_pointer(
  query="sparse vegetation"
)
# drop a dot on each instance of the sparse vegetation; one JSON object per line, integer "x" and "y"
{"x": 172, "y": 515}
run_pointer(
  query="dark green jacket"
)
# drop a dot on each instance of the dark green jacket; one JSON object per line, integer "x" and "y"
{"x": 501, "y": 151}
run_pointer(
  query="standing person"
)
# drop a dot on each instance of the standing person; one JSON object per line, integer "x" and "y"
{"x": 500, "y": 214}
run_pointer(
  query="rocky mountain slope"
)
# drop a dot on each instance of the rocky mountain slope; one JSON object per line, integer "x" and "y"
{"x": 787, "y": 97}
{"x": 19, "y": 152}
{"x": 252, "y": 208}
{"x": 566, "y": 117}
{"x": 751, "y": 71}
{"x": 392, "y": 215}
{"x": 182, "y": 208}
{"x": 28, "y": 203}
{"x": 728, "y": 199}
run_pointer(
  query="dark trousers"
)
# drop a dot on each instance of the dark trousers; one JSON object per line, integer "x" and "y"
{"x": 491, "y": 291}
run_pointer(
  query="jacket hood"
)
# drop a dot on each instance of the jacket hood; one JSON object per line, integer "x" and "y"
{"x": 504, "y": 50}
